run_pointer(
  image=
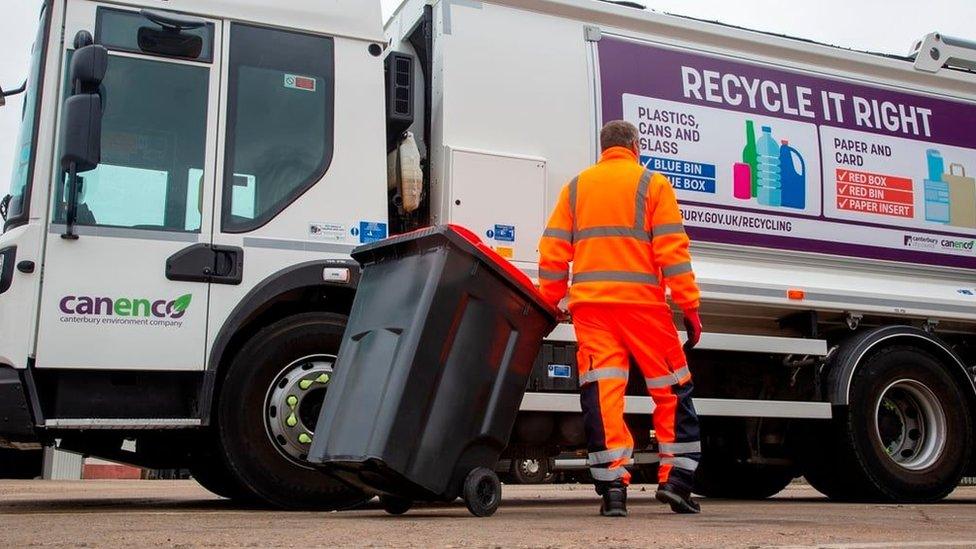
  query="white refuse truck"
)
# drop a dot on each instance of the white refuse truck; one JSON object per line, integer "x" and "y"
{"x": 192, "y": 174}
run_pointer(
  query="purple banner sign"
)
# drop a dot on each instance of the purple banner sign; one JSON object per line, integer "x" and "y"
{"x": 629, "y": 67}
{"x": 762, "y": 156}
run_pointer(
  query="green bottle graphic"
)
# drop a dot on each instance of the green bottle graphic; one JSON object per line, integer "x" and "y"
{"x": 750, "y": 156}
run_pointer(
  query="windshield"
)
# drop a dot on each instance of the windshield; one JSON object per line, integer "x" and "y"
{"x": 24, "y": 153}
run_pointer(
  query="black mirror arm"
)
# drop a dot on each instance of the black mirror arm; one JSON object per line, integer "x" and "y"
{"x": 18, "y": 91}
{"x": 71, "y": 213}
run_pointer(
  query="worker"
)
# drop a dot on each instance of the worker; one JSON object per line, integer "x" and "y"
{"x": 618, "y": 225}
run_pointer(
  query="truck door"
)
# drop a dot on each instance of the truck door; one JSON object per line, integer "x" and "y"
{"x": 132, "y": 291}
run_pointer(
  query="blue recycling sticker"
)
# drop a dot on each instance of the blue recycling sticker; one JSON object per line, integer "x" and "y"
{"x": 370, "y": 232}
{"x": 560, "y": 370}
{"x": 505, "y": 233}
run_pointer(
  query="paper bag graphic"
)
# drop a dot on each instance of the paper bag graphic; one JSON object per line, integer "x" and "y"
{"x": 962, "y": 197}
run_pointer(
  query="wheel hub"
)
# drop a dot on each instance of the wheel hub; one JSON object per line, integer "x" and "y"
{"x": 910, "y": 424}
{"x": 293, "y": 402}
{"x": 530, "y": 466}
{"x": 486, "y": 492}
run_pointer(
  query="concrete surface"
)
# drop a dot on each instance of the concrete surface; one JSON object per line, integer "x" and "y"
{"x": 181, "y": 514}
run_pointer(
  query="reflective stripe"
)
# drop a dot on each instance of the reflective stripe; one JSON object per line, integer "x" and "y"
{"x": 561, "y": 234}
{"x": 640, "y": 209}
{"x": 572, "y": 200}
{"x": 675, "y": 270}
{"x": 616, "y": 276}
{"x": 668, "y": 380}
{"x": 607, "y": 475}
{"x": 679, "y": 447}
{"x": 668, "y": 228}
{"x": 599, "y": 232}
{"x": 685, "y": 463}
{"x": 608, "y": 456}
{"x": 604, "y": 373}
{"x": 553, "y": 275}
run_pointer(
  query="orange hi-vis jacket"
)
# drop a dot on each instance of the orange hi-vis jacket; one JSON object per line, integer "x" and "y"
{"x": 620, "y": 227}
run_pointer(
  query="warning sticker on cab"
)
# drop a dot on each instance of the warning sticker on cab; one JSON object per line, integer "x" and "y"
{"x": 560, "y": 371}
{"x": 504, "y": 233}
{"x": 370, "y": 232}
{"x": 296, "y": 82}
{"x": 505, "y": 251}
{"x": 324, "y": 230}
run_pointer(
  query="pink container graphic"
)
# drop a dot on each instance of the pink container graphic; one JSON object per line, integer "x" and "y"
{"x": 742, "y": 181}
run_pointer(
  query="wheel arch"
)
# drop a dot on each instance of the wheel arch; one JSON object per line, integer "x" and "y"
{"x": 296, "y": 289}
{"x": 851, "y": 353}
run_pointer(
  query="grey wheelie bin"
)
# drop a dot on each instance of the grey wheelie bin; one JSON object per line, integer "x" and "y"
{"x": 436, "y": 357}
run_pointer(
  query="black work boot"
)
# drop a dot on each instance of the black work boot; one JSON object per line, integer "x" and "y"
{"x": 679, "y": 499}
{"x": 614, "y": 499}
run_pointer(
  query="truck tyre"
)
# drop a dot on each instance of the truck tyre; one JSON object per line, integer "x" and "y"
{"x": 719, "y": 477}
{"x": 905, "y": 436}
{"x": 531, "y": 470}
{"x": 211, "y": 472}
{"x": 267, "y": 408}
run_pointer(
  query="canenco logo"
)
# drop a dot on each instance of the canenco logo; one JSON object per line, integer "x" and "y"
{"x": 125, "y": 307}
{"x": 958, "y": 244}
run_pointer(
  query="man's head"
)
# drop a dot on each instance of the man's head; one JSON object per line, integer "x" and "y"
{"x": 619, "y": 133}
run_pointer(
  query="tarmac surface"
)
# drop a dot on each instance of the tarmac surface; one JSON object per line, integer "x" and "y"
{"x": 181, "y": 514}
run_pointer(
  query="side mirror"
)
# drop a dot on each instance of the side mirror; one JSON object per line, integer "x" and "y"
{"x": 88, "y": 66}
{"x": 81, "y": 127}
{"x": 81, "y": 133}
{"x": 81, "y": 123}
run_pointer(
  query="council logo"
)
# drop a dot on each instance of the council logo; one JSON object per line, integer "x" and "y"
{"x": 128, "y": 311}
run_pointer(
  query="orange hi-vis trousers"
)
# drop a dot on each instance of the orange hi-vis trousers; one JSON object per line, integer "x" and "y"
{"x": 608, "y": 336}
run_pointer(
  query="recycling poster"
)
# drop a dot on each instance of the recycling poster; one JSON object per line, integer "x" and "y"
{"x": 761, "y": 156}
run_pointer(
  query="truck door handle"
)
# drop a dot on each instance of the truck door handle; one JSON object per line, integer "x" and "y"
{"x": 207, "y": 263}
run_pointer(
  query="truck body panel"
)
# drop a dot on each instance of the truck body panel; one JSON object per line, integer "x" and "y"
{"x": 546, "y": 99}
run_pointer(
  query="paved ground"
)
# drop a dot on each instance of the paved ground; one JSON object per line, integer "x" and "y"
{"x": 180, "y": 514}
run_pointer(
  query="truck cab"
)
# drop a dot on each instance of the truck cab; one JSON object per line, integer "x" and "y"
{"x": 234, "y": 161}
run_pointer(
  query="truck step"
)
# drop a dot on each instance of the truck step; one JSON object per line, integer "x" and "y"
{"x": 122, "y": 423}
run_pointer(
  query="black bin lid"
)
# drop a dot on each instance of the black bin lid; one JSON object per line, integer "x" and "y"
{"x": 462, "y": 239}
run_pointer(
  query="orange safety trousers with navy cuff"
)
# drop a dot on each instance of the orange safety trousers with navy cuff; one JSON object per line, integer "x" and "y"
{"x": 609, "y": 335}
{"x": 618, "y": 227}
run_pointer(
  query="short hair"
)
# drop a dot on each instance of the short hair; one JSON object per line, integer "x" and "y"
{"x": 618, "y": 133}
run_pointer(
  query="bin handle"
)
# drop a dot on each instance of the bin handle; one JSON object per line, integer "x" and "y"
{"x": 962, "y": 169}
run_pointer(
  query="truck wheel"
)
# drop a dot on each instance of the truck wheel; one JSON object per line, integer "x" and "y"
{"x": 905, "y": 436}
{"x": 724, "y": 478}
{"x": 531, "y": 471}
{"x": 210, "y": 471}
{"x": 268, "y": 406}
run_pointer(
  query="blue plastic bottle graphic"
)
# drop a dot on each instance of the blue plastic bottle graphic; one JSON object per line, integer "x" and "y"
{"x": 770, "y": 185}
{"x": 793, "y": 176}
{"x": 936, "y": 190}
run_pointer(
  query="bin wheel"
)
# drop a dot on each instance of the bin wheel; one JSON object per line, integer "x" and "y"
{"x": 394, "y": 505}
{"x": 482, "y": 492}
